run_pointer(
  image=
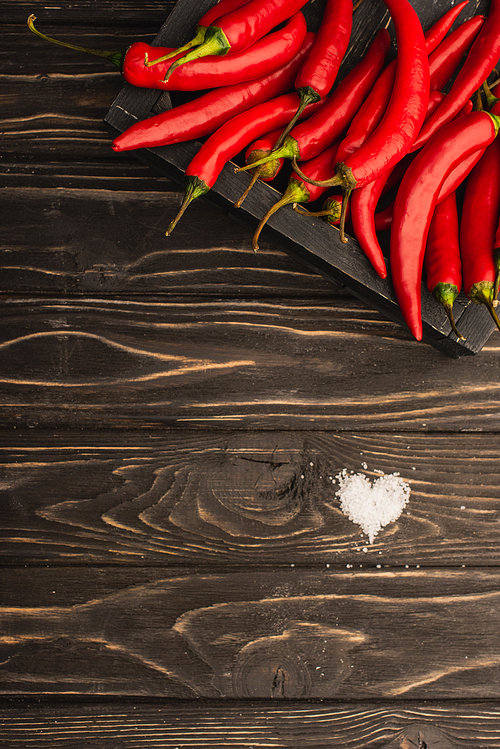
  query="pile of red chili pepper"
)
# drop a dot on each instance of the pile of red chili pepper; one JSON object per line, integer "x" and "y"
{"x": 406, "y": 145}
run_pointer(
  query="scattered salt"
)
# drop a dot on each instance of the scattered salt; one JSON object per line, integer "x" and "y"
{"x": 372, "y": 506}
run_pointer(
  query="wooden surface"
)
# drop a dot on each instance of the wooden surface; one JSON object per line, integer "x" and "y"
{"x": 176, "y": 567}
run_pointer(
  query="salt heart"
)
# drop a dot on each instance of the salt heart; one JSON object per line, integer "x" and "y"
{"x": 372, "y": 506}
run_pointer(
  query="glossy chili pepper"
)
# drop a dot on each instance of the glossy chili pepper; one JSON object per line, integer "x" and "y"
{"x": 202, "y": 116}
{"x": 365, "y": 199}
{"x": 318, "y": 73}
{"x": 496, "y": 260}
{"x": 226, "y": 142}
{"x": 480, "y": 62}
{"x": 240, "y": 28}
{"x": 405, "y": 112}
{"x": 269, "y": 53}
{"x": 372, "y": 110}
{"x": 442, "y": 264}
{"x": 449, "y": 54}
{"x": 219, "y": 9}
{"x": 383, "y": 219}
{"x": 310, "y": 138}
{"x": 272, "y": 51}
{"x": 297, "y": 191}
{"x": 416, "y": 199}
{"x": 478, "y": 225}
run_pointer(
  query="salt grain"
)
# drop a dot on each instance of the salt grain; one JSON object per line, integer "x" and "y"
{"x": 372, "y": 506}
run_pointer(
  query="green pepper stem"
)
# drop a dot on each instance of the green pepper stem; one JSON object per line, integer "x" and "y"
{"x": 255, "y": 177}
{"x": 215, "y": 42}
{"x": 195, "y": 42}
{"x": 445, "y": 294}
{"x": 332, "y": 208}
{"x": 115, "y": 57}
{"x": 195, "y": 188}
{"x": 294, "y": 193}
{"x": 307, "y": 96}
{"x": 496, "y": 260}
{"x": 335, "y": 181}
{"x": 288, "y": 150}
{"x": 482, "y": 293}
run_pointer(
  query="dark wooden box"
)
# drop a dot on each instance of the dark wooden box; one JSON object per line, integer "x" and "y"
{"x": 309, "y": 239}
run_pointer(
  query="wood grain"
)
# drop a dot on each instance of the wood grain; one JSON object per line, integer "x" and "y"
{"x": 243, "y": 498}
{"x": 270, "y": 726}
{"x": 261, "y": 364}
{"x": 285, "y": 633}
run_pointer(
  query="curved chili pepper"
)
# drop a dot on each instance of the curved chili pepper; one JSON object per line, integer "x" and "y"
{"x": 478, "y": 225}
{"x": 226, "y": 142}
{"x": 447, "y": 56}
{"x": 297, "y": 191}
{"x": 318, "y": 73}
{"x": 269, "y": 53}
{"x": 416, "y": 199}
{"x": 240, "y": 28}
{"x": 266, "y": 55}
{"x": 372, "y": 110}
{"x": 442, "y": 264}
{"x": 364, "y": 201}
{"x": 219, "y": 9}
{"x": 405, "y": 112}
{"x": 202, "y": 116}
{"x": 310, "y": 138}
{"x": 496, "y": 260}
{"x": 480, "y": 62}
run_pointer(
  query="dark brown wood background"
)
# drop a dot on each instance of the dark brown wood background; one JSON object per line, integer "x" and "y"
{"x": 176, "y": 569}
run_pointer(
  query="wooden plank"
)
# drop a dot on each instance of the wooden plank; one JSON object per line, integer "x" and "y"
{"x": 122, "y": 13}
{"x": 287, "y": 633}
{"x": 257, "y": 364}
{"x": 242, "y": 724}
{"x": 211, "y": 256}
{"x": 248, "y": 498}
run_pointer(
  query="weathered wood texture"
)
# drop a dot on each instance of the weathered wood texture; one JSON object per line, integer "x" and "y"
{"x": 230, "y": 498}
{"x": 173, "y": 416}
{"x": 291, "y": 632}
{"x": 239, "y": 363}
{"x": 270, "y": 726}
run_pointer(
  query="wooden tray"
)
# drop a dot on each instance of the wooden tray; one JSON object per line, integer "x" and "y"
{"x": 309, "y": 239}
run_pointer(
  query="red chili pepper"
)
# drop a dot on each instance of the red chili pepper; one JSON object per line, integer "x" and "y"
{"x": 447, "y": 56}
{"x": 405, "y": 112}
{"x": 318, "y": 73}
{"x": 240, "y": 28}
{"x": 496, "y": 260}
{"x": 297, "y": 191}
{"x": 372, "y": 110}
{"x": 416, "y": 199}
{"x": 226, "y": 142}
{"x": 478, "y": 224}
{"x": 365, "y": 199}
{"x": 310, "y": 138}
{"x": 266, "y": 55}
{"x": 219, "y": 9}
{"x": 480, "y": 62}
{"x": 202, "y": 116}
{"x": 442, "y": 264}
